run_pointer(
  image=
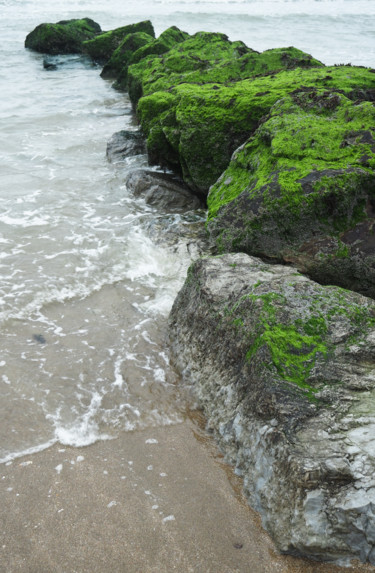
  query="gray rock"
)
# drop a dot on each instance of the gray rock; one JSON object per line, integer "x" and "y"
{"x": 284, "y": 370}
{"x": 184, "y": 234}
{"x": 162, "y": 190}
{"x": 125, "y": 144}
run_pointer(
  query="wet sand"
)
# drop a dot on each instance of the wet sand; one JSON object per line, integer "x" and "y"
{"x": 157, "y": 501}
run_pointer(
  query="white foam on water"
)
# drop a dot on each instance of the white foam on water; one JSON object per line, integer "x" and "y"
{"x": 8, "y": 458}
{"x": 84, "y": 431}
{"x": 119, "y": 379}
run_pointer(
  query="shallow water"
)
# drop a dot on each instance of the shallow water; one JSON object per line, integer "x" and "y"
{"x": 85, "y": 288}
{"x": 84, "y": 291}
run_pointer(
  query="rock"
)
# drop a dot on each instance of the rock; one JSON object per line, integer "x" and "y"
{"x": 125, "y": 144}
{"x": 49, "y": 65}
{"x": 65, "y": 37}
{"x": 167, "y": 40}
{"x": 284, "y": 370}
{"x": 197, "y": 128}
{"x": 301, "y": 190}
{"x": 162, "y": 190}
{"x": 183, "y": 233}
{"x": 208, "y": 57}
{"x": 120, "y": 58}
{"x": 102, "y": 47}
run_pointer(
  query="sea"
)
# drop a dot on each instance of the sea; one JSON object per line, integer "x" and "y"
{"x": 86, "y": 284}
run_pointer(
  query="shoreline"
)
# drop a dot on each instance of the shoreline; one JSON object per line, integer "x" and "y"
{"x": 179, "y": 537}
{"x": 136, "y": 504}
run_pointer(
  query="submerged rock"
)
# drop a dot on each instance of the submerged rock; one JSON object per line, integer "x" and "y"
{"x": 183, "y": 232}
{"x": 47, "y": 65}
{"x": 162, "y": 190}
{"x": 302, "y": 190}
{"x": 65, "y": 37}
{"x": 125, "y": 144}
{"x": 284, "y": 371}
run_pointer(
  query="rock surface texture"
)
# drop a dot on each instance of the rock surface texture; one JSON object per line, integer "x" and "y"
{"x": 284, "y": 371}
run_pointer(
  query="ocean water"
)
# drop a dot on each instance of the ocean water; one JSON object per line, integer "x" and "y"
{"x": 85, "y": 288}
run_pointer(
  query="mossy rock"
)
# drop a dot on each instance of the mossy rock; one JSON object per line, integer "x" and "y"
{"x": 301, "y": 190}
{"x": 274, "y": 322}
{"x": 202, "y": 125}
{"x": 211, "y": 58}
{"x": 203, "y": 51}
{"x": 120, "y": 58}
{"x": 283, "y": 369}
{"x": 65, "y": 37}
{"x": 102, "y": 47}
{"x": 167, "y": 40}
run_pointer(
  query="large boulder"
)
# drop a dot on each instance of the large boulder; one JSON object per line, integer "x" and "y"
{"x": 102, "y": 47}
{"x": 302, "y": 190}
{"x": 196, "y": 128}
{"x": 65, "y": 37}
{"x": 284, "y": 370}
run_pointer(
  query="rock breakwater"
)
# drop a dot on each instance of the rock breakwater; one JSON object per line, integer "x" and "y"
{"x": 282, "y": 148}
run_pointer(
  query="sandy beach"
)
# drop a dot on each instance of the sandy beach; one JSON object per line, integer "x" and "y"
{"x": 156, "y": 501}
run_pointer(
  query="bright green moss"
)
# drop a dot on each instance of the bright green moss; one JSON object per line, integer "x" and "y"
{"x": 151, "y": 109}
{"x": 167, "y": 40}
{"x": 210, "y": 58}
{"x": 183, "y": 54}
{"x": 293, "y": 354}
{"x": 214, "y": 119}
{"x": 118, "y": 63}
{"x": 299, "y": 339}
{"x": 297, "y": 141}
{"x": 293, "y": 347}
{"x": 102, "y": 47}
{"x": 146, "y": 54}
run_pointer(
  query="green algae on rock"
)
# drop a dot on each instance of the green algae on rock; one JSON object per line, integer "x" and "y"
{"x": 156, "y": 47}
{"x": 211, "y": 58}
{"x": 102, "y": 47}
{"x": 283, "y": 369}
{"x": 65, "y": 37}
{"x": 302, "y": 189}
{"x": 202, "y": 51}
{"x": 202, "y": 125}
{"x": 118, "y": 62}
